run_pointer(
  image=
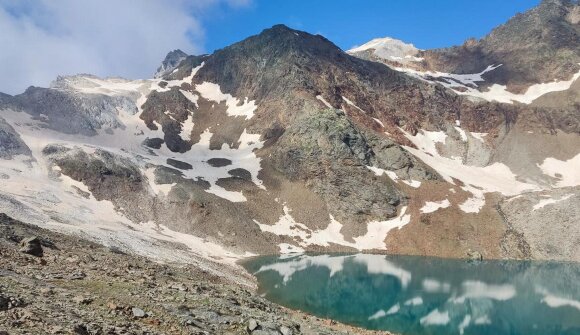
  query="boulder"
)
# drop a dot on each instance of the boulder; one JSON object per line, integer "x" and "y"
{"x": 31, "y": 246}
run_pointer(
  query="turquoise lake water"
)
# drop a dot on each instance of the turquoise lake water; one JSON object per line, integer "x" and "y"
{"x": 421, "y": 295}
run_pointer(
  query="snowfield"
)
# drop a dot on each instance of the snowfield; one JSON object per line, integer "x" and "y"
{"x": 467, "y": 84}
{"x": 34, "y": 191}
{"x": 302, "y": 235}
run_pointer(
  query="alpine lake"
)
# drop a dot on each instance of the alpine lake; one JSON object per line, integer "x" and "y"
{"x": 412, "y": 295}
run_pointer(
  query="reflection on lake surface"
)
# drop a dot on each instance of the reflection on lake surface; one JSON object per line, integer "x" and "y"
{"x": 419, "y": 295}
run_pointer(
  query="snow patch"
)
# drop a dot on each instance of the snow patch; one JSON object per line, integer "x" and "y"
{"x": 479, "y": 136}
{"x": 391, "y": 174}
{"x": 286, "y": 248}
{"x": 567, "y": 172}
{"x": 319, "y": 97}
{"x": 373, "y": 239}
{"x": 379, "y": 172}
{"x": 432, "y": 206}
{"x": 213, "y": 92}
{"x": 157, "y": 188}
{"x": 52, "y": 203}
{"x": 496, "y": 177}
{"x": 461, "y": 133}
{"x": 544, "y": 202}
{"x": 190, "y": 96}
{"x": 353, "y": 105}
{"x": 413, "y": 183}
{"x": 187, "y": 128}
{"x": 379, "y": 122}
{"x": 450, "y": 80}
{"x": 466, "y": 84}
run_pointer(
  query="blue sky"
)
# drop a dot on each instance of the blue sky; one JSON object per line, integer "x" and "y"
{"x": 126, "y": 38}
{"x": 425, "y": 23}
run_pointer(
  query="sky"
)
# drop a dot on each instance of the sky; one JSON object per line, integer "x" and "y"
{"x": 42, "y": 39}
{"x": 425, "y": 23}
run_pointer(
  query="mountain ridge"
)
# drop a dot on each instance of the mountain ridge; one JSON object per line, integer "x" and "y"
{"x": 283, "y": 142}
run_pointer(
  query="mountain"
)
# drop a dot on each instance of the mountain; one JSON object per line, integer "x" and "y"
{"x": 387, "y": 49}
{"x": 532, "y": 54}
{"x": 282, "y": 142}
{"x": 537, "y": 46}
{"x": 170, "y": 62}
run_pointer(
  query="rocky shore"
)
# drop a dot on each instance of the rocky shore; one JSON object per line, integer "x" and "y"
{"x": 52, "y": 283}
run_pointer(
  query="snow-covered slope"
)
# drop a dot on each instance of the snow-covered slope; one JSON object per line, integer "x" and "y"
{"x": 469, "y": 84}
{"x": 388, "y": 48}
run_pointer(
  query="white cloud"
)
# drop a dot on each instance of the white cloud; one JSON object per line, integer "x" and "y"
{"x": 41, "y": 39}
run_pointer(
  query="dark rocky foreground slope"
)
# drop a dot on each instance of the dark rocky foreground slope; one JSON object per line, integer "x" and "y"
{"x": 79, "y": 287}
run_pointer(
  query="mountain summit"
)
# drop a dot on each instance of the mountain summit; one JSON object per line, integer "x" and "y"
{"x": 389, "y": 49}
{"x": 170, "y": 62}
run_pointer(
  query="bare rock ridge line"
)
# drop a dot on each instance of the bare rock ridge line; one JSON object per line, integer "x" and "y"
{"x": 285, "y": 143}
{"x": 510, "y": 63}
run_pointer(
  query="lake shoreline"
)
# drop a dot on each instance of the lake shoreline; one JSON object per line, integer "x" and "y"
{"x": 82, "y": 287}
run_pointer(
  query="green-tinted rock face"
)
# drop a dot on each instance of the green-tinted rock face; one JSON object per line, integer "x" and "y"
{"x": 327, "y": 152}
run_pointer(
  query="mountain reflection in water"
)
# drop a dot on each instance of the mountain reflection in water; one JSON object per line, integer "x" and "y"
{"x": 421, "y": 295}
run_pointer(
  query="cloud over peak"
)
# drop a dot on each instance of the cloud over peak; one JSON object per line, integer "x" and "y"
{"x": 45, "y": 38}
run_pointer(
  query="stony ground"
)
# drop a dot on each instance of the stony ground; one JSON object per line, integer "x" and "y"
{"x": 56, "y": 284}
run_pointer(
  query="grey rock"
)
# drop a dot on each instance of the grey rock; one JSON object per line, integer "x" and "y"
{"x": 538, "y": 44}
{"x": 474, "y": 255}
{"x": 77, "y": 275}
{"x": 82, "y": 300}
{"x": 138, "y": 312}
{"x": 265, "y": 332}
{"x": 80, "y": 329}
{"x": 219, "y": 162}
{"x": 252, "y": 325}
{"x": 10, "y": 142}
{"x": 171, "y": 61}
{"x": 71, "y": 112}
{"x": 330, "y": 154}
{"x": 179, "y": 164}
{"x": 285, "y": 330}
{"x": 4, "y": 301}
{"x": 32, "y": 246}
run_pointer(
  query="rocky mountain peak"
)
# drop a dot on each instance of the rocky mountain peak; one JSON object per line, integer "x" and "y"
{"x": 280, "y": 39}
{"x": 170, "y": 62}
{"x": 387, "y": 49}
{"x": 282, "y": 58}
